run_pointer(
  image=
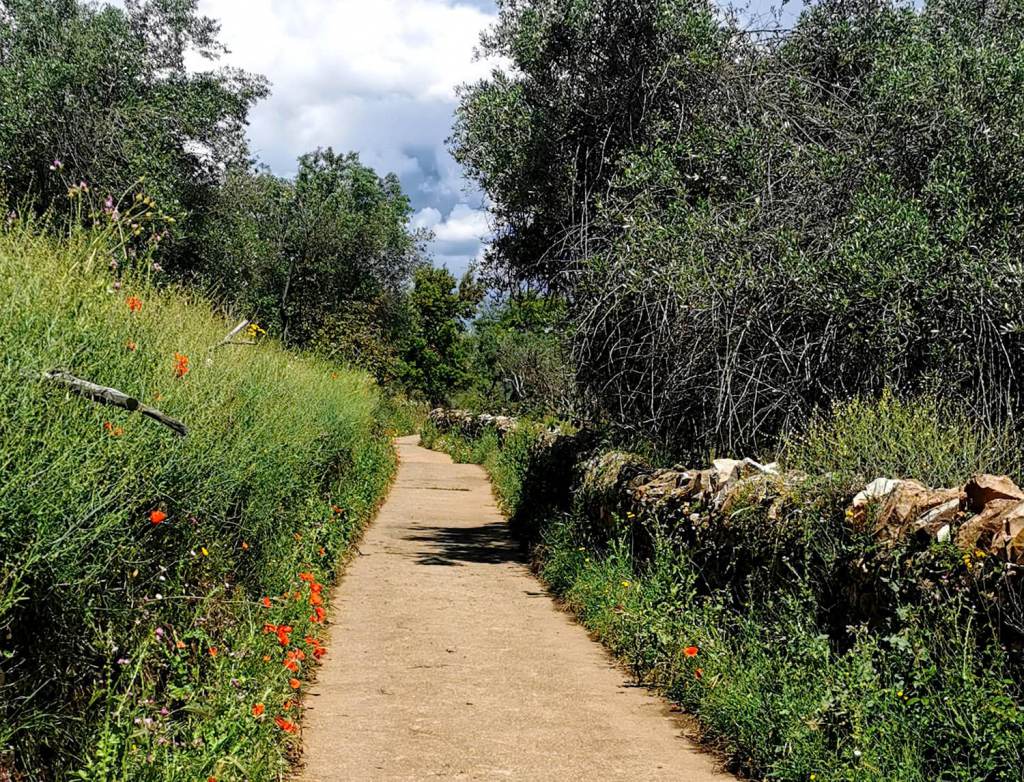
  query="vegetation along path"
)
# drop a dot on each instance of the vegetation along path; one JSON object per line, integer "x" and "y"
{"x": 450, "y": 661}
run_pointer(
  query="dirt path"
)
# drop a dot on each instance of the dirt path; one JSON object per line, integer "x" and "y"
{"x": 448, "y": 660}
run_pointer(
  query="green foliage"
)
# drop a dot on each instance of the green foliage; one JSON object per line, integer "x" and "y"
{"x": 748, "y": 228}
{"x": 107, "y": 93}
{"x": 434, "y": 351}
{"x": 805, "y": 652}
{"x": 518, "y": 354}
{"x": 936, "y": 443}
{"x": 107, "y": 619}
{"x": 99, "y": 99}
{"x": 322, "y": 261}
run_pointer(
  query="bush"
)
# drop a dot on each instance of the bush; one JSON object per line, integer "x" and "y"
{"x": 923, "y": 439}
{"x": 134, "y": 563}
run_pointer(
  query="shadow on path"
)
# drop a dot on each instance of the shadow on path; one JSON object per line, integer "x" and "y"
{"x": 489, "y": 544}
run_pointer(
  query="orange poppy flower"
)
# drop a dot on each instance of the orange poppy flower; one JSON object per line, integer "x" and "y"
{"x": 316, "y": 589}
{"x": 157, "y": 517}
{"x": 691, "y": 651}
{"x": 179, "y": 644}
{"x": 245, "y": 546}
{"x": 266, "y": 658}
{"x": 283, "y": 632}
{"x": 291, "y": 665}
{"x": 134, "y": 303}
{"x": 258, "y": 709}
{"x": 265, "y": 601}
{"x": 213, "y": 651}
{"x": 180, "y": 365}
{"x": 318, "y": 615}
{"x": 294, "y": 684}
{"x": 285, "y": 725}
{"x": 288, "y": 704}
{"x": 307, "y": 577}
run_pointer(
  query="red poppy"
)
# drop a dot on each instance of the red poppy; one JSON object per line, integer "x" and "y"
{"x": 180, "y": 365}
{"x": 283, "y": 634}
{"x": 315, "y": 600}
{"x": 157, "y": 517}
{"x": 213, "y": 651}
{"x": 269, "y": 628}
{"x": 691, "y": 651}
{"x": 285, "y": 725}
{"x": 134, "y": 303}
{"x": 291, "y": 665}
{"x": 307, "y": 577}
{"x": 294, "y": 684}
{"x": 318, "y": 615}
{"x": 258, "y": 709}
{"x": 265, "y": 601}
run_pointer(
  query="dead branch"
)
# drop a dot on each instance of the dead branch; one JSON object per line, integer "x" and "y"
{"x": 111, "y": 396}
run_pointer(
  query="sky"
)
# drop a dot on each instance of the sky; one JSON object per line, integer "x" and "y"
{"x": 377, "y": 77}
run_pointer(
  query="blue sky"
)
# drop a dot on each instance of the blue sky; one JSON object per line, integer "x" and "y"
{"x": 377, "y": 77}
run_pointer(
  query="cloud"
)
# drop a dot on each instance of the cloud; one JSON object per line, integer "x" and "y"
{"x": 459, "y": 237}
{"x": 375, "y": 77}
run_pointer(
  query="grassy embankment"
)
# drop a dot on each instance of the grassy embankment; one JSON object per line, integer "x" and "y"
{"x": 160, "y": 607}
{"x": 807, "y": 650}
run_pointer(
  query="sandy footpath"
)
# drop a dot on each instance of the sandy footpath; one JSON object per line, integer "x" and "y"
{"x": 448, "y": 660}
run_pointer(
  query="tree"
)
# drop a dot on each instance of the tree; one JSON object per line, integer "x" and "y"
{"x": 106, "y": 92}
{"x": 435, "y": 361}
{"x": 590, "y": 82}
{"x": 323, "y": 261}
{"x": 747, "y": 227}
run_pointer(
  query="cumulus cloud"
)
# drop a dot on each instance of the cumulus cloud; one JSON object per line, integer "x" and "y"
{"x": 375, "y": 77}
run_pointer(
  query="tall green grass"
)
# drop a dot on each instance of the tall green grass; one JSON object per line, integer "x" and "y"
{"x": 134, "y": 650}
{"x": 806, "y": 652}
{"x": 923, "y": 438}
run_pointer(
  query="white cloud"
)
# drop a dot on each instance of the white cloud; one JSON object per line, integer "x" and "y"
{"x": 464, "y": 224}
{"x": 374, "y": 76}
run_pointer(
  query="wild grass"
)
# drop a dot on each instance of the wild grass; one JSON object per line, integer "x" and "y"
{"x": 805, "y": 653}
{"x": 922, "y": 438}
{"x": 136, "y": 650}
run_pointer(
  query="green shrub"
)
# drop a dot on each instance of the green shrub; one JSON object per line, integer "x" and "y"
{"x": 131, "y": 649}
{"x": 922, "y": 438}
